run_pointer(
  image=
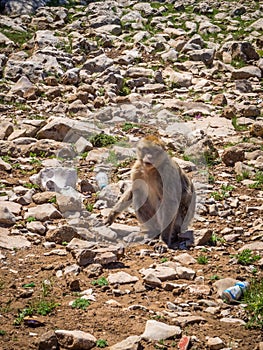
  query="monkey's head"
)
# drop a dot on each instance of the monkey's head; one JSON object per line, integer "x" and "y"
{"x": 151, "y": 152}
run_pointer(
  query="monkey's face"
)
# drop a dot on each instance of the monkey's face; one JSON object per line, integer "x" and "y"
{"x": 150, "y": 155}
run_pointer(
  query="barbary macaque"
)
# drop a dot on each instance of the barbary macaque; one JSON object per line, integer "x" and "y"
{"x": 162, "y": 195}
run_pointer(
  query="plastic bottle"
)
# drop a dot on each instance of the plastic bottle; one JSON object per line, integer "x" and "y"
{"x": 102, "y": 179}
{"x": 234, "y": 293}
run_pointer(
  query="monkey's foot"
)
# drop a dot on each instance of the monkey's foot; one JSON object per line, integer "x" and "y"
{"x": 160, "y": 248}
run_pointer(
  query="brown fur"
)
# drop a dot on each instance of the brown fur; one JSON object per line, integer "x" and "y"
{"x": 162, "y": 195}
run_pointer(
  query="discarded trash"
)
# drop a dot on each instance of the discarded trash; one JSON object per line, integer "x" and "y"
{"x": 234, "y": 293}
{"x": 102, "y": 179}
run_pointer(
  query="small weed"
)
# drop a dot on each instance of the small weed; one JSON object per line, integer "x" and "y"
{"x": 101, "y": 343}
{"x": 44, "y": 307}
{"x": 211, "y": 179}
{"x": 29, "y": 285}
{"x": 2, "y": 332}
{"x": 223, "y": 193}
{"x": 128, "y": 126}
{"x": 28, "y": 311}
{"x": 163, "y": 260}
{"x": 80, "y": 303}
{"x": 31, "y": 219}
{"x": 214, "y": 278}
{"x": 202, "y": 259}
{"x": 102, "y": 281}
{"x": 30, "y": 185}
{"x": 84, "y": 155}
{"x": 89, "y": 207}
{"x": 64, "y": 243}
{"x": 253, "y": 299}
{"x": 215, "y": 239}
{"x": 246, "y": 257}
{"x": 53, "y": 200}
{"x": 236, "y": 126}
{"x": 46, "y": 288}
{"x": 112, "y": 158}
{"x": 103, "y": 140}
{"x": 245, "y": 175}
{"x": 258, "y": 178}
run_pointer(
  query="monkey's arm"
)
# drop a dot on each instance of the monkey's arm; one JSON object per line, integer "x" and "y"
{"x": 123, "y": 203}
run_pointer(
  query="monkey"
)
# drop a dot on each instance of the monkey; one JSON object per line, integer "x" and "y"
{"x": 162, "y": 195}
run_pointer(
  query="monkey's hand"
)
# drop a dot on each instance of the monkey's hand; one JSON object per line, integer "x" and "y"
{"x": 111, "y": 217}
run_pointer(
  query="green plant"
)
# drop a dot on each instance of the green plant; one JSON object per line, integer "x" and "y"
{"x": 246, "y": 257}
{"x": 30, "y": 185}
{"x": 103, "y": 140}
{"x": 112, "y": 158}
{"x": 202, "y": 259}
{"x": 215, "y": 239}
{"x": 46, "y": 288}
{"x": 163, "y": 260}
{"x": 214, "y": 278}
{"x": 236, "y": 126}
{"x": 80, "y": 303}
{"x": 89, "y": 207}
{"x": 245, "y": 175}
{"x": 30, "y": 219}
{"x": 102, "y": 281}
{"x": 253, "y": 298}
{"x": 28, "y": 311}
{"x": 2, "y": 332}
{"x": 44, "y": 307}
{"x": 258, "y": 178}
{"x": 101, "y": 343}
{"x": 128, "y": 126}
{"x": 84, "y": 155}
{"x": 53, "y": 200}
{"x": 29, "y": 285}
{"x": 223, "y": 193}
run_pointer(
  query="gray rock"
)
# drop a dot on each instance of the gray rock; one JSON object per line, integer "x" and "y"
{"x": 62, "y": 234}
{"x": 6, "y": 216}
{"x": 130, "y": 343}
{"x": 204, "y": 55}
{"x": 254, "y": 246}
{"x": 155, "y": 330}
{"x": 215, "y": 343}
{"x": 4, "y": 166}
{"x": 164, "y": 273}
{"x": 48, "y": 341}
{"x": 121, "y": 278}
{"x": 43, "y": 212}
{"x": 75, "y": 340}
{"x": 185, "y": 273}
{"x": 36, "y": 227}
{"x": 246, "y": 73}
{"x": 13, "y": 241}
{"x": 56, "y": 179}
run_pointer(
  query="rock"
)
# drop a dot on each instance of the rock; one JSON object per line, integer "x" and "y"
{"x": 185, "y": 259}
{"x": 130, "y": 343}
{"x": 48, "y": 341}
{"x": 121, "y": 278}
{"x": 185, "y": 273}
{"x": 12, "y": 242}
{"x": 67, "y": 130}
{"x": 184, "y": 343}
{"x": 4, "y": 166}
{"x": 164, "y": 273}
{"x": 246, "y": 73}
{"x": 43, "y": 212}
{"x": 232, "y": 155}
{"x": 254, "y": 246}
{"x": 155, "y": 330}
{"x": 62, "y": 234}
{"x": 75, "y": 340}
{"x": 55, "y": 179}
{"x": 6, "y": 216}
{"x": 232, "y": 320}
{"x": 215, "y": 343}
{"x": 36, "y": 227}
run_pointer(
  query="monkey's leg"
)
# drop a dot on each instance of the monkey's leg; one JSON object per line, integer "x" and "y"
{"x": 121, "y": 205}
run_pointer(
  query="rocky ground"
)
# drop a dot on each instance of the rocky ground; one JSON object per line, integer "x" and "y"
{"x": 80, "y": 84}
